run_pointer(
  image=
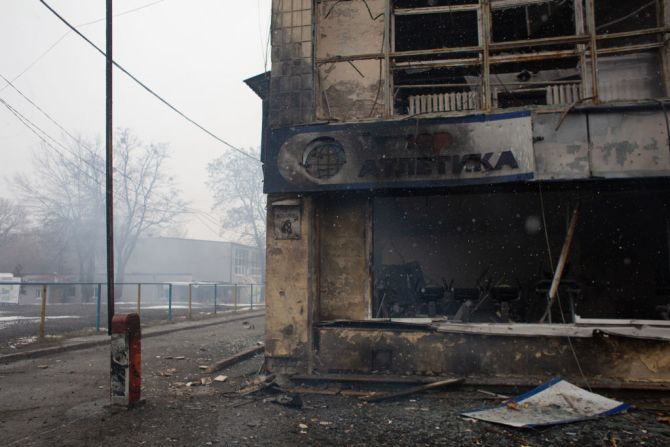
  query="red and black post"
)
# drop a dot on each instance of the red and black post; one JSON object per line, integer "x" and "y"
{"x": 126, "y": 361}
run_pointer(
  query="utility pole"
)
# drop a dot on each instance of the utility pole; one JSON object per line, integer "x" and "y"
{"x": 109, "y": 172}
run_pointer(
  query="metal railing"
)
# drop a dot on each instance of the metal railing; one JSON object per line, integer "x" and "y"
{"x": 71, "y": 307}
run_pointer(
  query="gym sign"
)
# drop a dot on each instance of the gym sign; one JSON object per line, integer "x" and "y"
{"x": 394, "y": 154}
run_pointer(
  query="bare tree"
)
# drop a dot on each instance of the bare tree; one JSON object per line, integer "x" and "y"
{"x": 67, "y": 191}
{"x": 237, "y": 185}
{"x": 12, "y": 220}
{"x": 146, "y": 199}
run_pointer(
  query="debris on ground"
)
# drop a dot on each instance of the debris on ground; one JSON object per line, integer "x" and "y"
{"x": 414, "y": 390}
{"x": 496, "y": 395}
{"x": 259, "y": 383}
{"x": 220, "y": 378}
{"x": 554, "y": 402}
{"x": 240, "y": 356}
{"x": 167, "y": 373}
{"x": 42, "y": 366}
{"x": 287, "y": 400}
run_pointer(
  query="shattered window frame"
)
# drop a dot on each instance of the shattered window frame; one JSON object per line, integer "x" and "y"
{"x": 445, "y": 98}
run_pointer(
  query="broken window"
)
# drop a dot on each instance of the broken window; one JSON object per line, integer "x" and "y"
{"x": 456, "y": 56}
{"x": 489, "y": 257}
{"x": 629, "y": 61}
{"x": 437, "y": 66}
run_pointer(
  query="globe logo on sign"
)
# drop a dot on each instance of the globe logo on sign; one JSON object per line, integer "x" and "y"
{"x": 324, "y": 157}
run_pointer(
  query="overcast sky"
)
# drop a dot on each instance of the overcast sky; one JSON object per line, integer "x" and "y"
{"x": 194, "y": 53}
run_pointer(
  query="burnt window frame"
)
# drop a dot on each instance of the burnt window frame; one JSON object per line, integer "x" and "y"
{"x": 584, "y": 38}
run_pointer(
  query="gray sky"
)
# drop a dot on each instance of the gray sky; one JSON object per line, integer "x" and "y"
{"x": 194, "y": 53}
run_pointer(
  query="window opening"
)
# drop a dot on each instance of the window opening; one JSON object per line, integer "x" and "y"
{"x": 535, "y": 53}
{"x": 484, "y": 257}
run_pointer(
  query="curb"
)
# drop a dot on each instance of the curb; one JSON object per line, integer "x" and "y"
{"x": 9, "y": 358}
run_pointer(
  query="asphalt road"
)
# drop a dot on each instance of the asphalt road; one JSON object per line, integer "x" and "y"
{"x": 61, "y": 400}
{"x": 38, "y": 397}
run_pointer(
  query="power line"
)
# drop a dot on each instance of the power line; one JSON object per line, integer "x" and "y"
{"x": 145, "y": 87}
{"x": 10, "y": 84}
{"x": 39, "y": 58}
{"x": 60, "y": 39}
{"x": 64, "y": 130}
{"x": 45, "y": 137}
{"x": 123, "y": 13}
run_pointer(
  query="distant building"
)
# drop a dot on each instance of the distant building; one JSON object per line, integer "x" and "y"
{"x": 168, "y": 259}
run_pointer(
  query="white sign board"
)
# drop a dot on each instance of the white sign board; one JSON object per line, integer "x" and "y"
{"x": 9, "y": 293}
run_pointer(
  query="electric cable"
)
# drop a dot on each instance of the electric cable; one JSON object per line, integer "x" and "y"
{"x": 45, "y": 137}
{"x": 60, "y": 39}
{"x": 147, "y": 88}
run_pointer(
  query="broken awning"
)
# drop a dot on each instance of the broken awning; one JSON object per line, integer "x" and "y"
{"x": 554, "y": 402}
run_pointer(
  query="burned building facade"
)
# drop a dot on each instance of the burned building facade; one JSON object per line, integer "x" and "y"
{"x": 473, "y": 188}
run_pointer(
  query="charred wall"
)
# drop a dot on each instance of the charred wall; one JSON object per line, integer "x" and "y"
{"x": 289, "y": 284}
{"x": 292, "y": 80}
{"x": 481, "y": 358}
{"x": 350, "y": 86}
{"x": 345, "y": 280}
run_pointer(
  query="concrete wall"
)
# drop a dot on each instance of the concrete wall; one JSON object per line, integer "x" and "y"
{"x": 290, "y": 288}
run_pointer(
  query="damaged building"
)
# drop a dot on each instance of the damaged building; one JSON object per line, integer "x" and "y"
{"x": 469, "y": 188}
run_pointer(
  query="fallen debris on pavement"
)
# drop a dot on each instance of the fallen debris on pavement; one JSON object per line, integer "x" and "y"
{"x": 259, "y": 383}
{"x": 236, "y": 358}
{"x": 287, "y": 400}
{"x": 554, "y": 402}
{"x": 414, "y": 390}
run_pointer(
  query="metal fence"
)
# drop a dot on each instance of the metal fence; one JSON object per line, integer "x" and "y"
{"x": 45, "y": 309}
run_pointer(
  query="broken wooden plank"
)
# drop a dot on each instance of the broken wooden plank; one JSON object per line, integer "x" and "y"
{"x": 307, "y": 390}
{"x": 414, "y": 390}
{"x": 579, "y": 321}
{"x": 240, "y": 356}
{"x": 259, "y": 383}
{"x": 562, "y": 261}
{"x": 364, "y": 378}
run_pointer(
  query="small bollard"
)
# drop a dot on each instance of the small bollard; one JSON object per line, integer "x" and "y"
{"x": 190, "y": 299}
{"x": 215, "y": 293}
{"x": 126, "y": 360}
{"x": 170, "y": 302}
{"x": 43, "y": 312}
{"x": 98, "y": 297}
{"x": 139, "y": 298}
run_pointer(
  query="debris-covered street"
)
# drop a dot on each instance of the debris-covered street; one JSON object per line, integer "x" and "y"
{"x": 63, "y": 400}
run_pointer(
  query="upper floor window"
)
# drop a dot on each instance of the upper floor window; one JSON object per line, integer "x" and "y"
{"x": 467, "y": 55}
{"x": 241, "y": 262}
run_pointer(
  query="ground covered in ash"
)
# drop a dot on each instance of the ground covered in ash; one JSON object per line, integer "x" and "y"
{"x": 65, "y": 404}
